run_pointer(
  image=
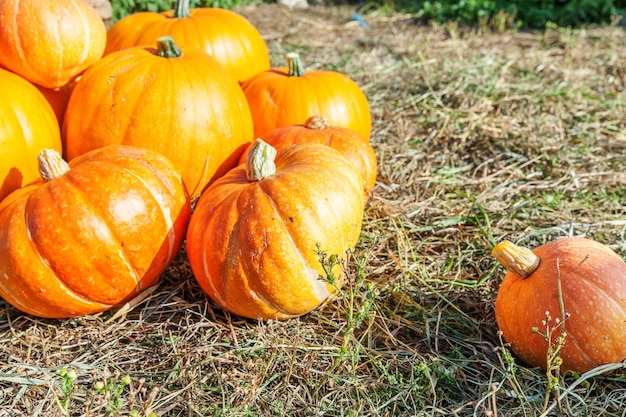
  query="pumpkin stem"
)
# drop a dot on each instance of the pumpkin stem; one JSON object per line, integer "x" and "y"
{"x": 294, "y": 63}
{"x": 317, "y": 123}
{"x": 516, "y": 259}
{"x": 260, "y": 161}
{"x": 167, "y": 48}
{"x": 51, "y": 165}
{"x": 181, "y": 9}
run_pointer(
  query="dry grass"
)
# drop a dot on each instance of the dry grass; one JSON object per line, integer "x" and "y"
{"x": 480, "y": 136}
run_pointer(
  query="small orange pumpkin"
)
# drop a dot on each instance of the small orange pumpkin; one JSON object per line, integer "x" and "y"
{"x": 179, "y": 102}
{"x": 592, "y": 279}
{"x": 27, "y": 126}
{"x": 91, "y": 237}
{"x": 288, "y": 95}
{"x": 318, "y": 129}
{"x": 253, "y": 236}
{"x": 224, "y": 34}
{"x": 50, "y": 42}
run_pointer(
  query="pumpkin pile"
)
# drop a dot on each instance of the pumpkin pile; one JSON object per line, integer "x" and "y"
{"x": 118, "y": 146}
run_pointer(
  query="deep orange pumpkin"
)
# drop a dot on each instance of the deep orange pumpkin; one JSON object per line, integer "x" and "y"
{"x": 288, "y": 95}
{"x": 318, "y": 129}
{"x": 27, "y": 126}
{"x": 50, "y": 42}
{"x": 182, "y": 104}
{"x": 58, "y": 98}
{"x": 224, "y": 34}
{"x": 254, "y": 233}
{"x": 593, "y": 291}
{"x": 93, "y": 236}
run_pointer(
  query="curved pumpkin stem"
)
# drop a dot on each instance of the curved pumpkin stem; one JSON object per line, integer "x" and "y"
{"x": 294, "y": 63}
{"x": 51, "y": 165}
{"x": 317, "y": 123}
{"x": 167, "y": 48}
{"x": 181, "y": 9}
{"x": 260, "y": 161}
{"x": 516, "y": 259}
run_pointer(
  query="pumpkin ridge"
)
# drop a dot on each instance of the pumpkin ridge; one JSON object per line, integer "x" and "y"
{"x": 69, "y": 291}
{"x": 71, "y": 183}
{"x": 318, "y": 287}
{"x": 167, "y": 217}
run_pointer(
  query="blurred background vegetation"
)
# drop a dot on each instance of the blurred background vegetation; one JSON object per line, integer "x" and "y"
{"x": 532, "y": 14}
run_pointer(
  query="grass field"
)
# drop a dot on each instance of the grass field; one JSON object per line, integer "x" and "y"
{"x": 481, "y": 135}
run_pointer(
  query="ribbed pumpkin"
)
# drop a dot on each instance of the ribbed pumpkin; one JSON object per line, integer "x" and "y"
{"x": 592, "y": 282}
{"x": 254, "y": 233}
{"x": 91, "y": 237}
{"x": 318, "y": 129}
{"x": 27, "y": 126}
{"x": 289, "y": 95}
{"x": 224, "y": 34}
{"x": 50, "y": 42}
{"x": 181, "y": 103}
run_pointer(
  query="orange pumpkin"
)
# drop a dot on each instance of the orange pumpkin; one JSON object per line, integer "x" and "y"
{"x": 226, "y": 35}
{"x": 181, "y": 103}
{"x": 50, "y": 42}
{"x": 317, "y": 129}
{"x": 254, "y": 233}
{"x": 27, "y": 126}
{"x": 592, "y": 281}
{"x": 288, "y": 95}
{"x": 93, "y": 236}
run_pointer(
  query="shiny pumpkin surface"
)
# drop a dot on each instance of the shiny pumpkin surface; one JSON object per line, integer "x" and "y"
{"x": 317, "y": 129}
{"x": 593, "y": 280}
{"x": 226, "y": 35}
{"x": 187, "y": 108}
{"x": 93, "y": 237}
{"x": 289, "y": 95}
{"x": 27, "y": 126}
{"x": 252, "y": 244}
{"x": 50, "y": 42}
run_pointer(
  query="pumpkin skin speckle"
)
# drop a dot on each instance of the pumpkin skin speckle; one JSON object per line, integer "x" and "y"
{"x": 593, "y": 280}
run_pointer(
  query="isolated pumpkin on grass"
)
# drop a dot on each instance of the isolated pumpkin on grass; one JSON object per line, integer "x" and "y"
{"x": 224, "y": 34}
{"x": 93, "y": 234}
{"x": 256, "y": 237}
{"x": 580, "y": 277}
{"x": 289, "y": 95}
{"x": 27, "y": 126}
{"x": 179, "y": 102}
{"x": 318, "y": 129}
{"x": 50, "y": 42}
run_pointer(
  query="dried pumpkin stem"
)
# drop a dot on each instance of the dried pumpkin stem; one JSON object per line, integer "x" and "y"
{"x": 294, "y": 64}
{"x": 167, "y": 48}
{"x": 317, "y": 123}
{"x": 181, "y": 9}
{"x": 260, "y": 161}
{"x": 51, "y": 165}
{"x": 521, "y": 261}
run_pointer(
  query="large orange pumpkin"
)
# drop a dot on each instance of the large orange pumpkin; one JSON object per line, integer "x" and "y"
{"x": 93, "y": 236}
{"x": 224, "y": 34}
{"x": 289, "y": 95}
{"x": 254, "y": 233}
{"x": 27, "y": 126}
{"x": 50, "y": 42}
{"x": 592, "y": 282}
{"x": 181, "y": 103}
{"x": 318, "y": 129}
